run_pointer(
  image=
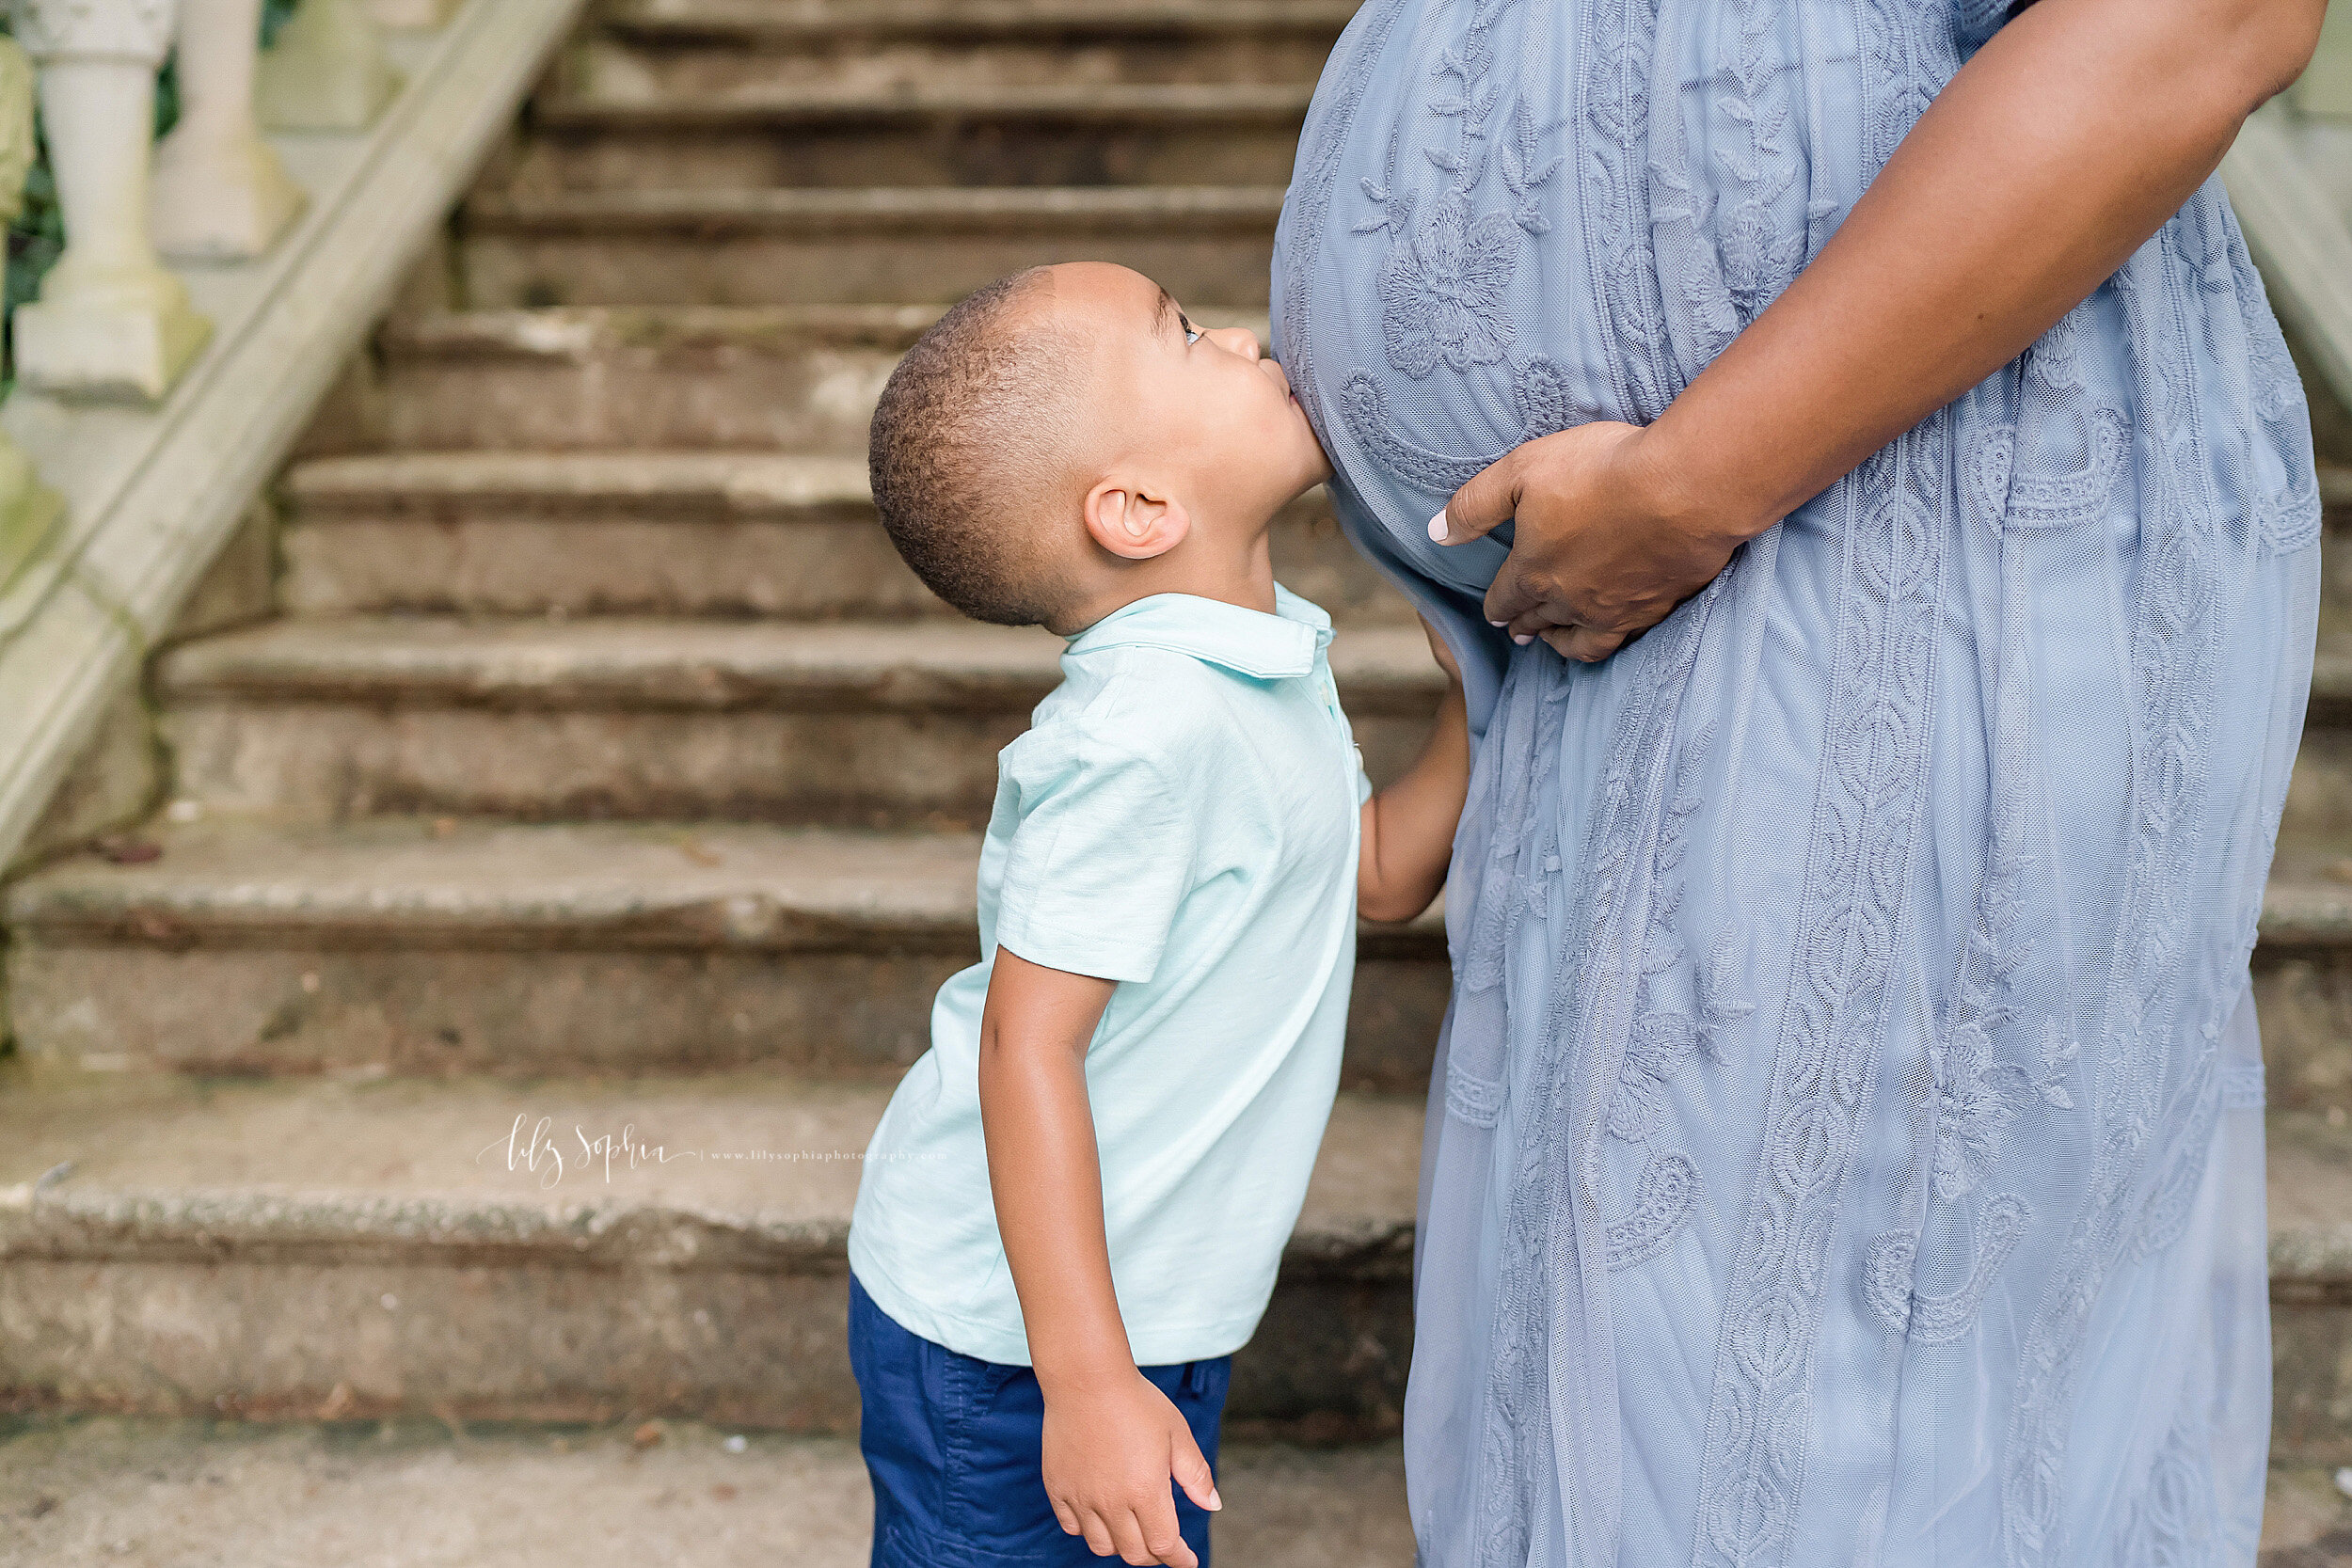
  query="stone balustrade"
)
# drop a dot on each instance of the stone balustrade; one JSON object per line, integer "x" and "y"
{"x": 158, "y": 404}
{"x": 410, "y": 14}
{"x": 2325, "y": 89}
{"x": 110, "y": 321}
{"x": 220, "y": 193}
{"x": 29, "y": 510}
{"x": 327, "y": 71}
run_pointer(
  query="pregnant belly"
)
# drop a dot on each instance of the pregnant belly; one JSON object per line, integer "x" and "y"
{"x": 1508, "y": 219}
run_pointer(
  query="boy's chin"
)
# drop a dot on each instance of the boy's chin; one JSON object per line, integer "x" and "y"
{"x": 1316, "y": 466}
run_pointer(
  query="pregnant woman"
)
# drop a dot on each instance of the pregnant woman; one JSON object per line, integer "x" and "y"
{"x": 1845, "y": 1146}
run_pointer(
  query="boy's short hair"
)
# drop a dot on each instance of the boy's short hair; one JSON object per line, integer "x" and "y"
{"x": 968, "y": 453}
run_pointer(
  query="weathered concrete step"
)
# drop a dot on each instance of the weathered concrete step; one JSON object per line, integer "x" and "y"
{"x": 2303, "y": 977}
{"x": 405, "y": 1246}
{"x": 799, "y": 378}
{"x": 91, "y": 1492}
{"x": 1206, "y": 244}
{"x": 659, "y": 532}
{"x": 2319, "y": 794}
{"x": 2307, "y": 1520}
{"x": 414, "y": 1244}
{"x": 2335, "y": 558}
{"x": 2310, "y": 1164}
{"x": 955, "y": 133}
{"x": 427, "y": 947}
{"x": 2302, "y": 966}
{"x": 95, "y": 1492}
{"x": 877, "y": 723}
{"x": 725, "y": 45}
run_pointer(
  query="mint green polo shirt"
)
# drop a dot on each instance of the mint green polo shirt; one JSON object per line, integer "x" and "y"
{"x": 1181, "y": 818}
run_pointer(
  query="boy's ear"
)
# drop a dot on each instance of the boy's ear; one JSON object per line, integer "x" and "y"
{"x": 1135, "y": 521}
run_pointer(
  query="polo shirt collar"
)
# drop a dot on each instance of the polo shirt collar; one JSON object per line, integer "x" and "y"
{"x": 1248, "y": 641}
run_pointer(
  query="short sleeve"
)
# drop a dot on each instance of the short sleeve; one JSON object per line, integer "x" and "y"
{"x": 1100, "y": 861}
{"x": 1363, "y": 779}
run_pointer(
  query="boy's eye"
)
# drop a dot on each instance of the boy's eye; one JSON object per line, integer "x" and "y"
{"x": 1192, "y": 333}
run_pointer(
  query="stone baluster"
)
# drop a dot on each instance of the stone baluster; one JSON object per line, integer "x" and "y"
{"x": 220, "y": 193}
{"x": 327, "y": 70}
{"x": 412, "y": 15}
{"x": 2325, "y": 87}
{"x": 29, "y": 510}
{"x": 110, "y": 321}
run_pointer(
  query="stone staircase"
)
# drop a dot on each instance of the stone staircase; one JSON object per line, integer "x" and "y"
{"x": 593, "y": 765}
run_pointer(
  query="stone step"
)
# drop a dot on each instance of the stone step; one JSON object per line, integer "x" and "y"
{"x": 723, "y": 46}
{"x": 2303, "y": 974}
{"x": 86, "y": 1492}
{"x": 89, "y": 1492}
{"x": 659, "y": 532}
{"x": 445, "y": 944}
{"x": 421, "y": 946}
{"x": 801, "y": 378}
{"x": 840, "y": 135}
{"x": 2309, "y": 1163}
{"x": 2319, "y": 795}
{"x": 875, "y": 723}
{"x": 797, "y": 378}
{"x": 1208, "y": 244}
{"x": 411, "y": 1247}
{"x": 281, "y": 1248}
{"x": 2307, "y": 1520}
{"x": 2335, "y": 557}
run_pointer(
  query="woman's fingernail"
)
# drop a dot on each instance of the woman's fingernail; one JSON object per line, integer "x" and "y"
{"x": 1498, "y": 624}
{"x": 1522, "y": 637}
{"x": 1215, "y": 1501}
{"x": 1437, "y": 527}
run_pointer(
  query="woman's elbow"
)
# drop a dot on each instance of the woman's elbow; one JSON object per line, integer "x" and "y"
{"x": 2216, "y": 59}
{"x": 2270, "y": 41}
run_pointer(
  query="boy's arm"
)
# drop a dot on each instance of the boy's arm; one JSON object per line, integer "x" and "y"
{"x": 1409, "y": 827}
{"x": 1112, "y": 1440}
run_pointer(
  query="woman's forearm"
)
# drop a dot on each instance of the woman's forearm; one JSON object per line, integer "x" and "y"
{"x": 2054, "y": 154}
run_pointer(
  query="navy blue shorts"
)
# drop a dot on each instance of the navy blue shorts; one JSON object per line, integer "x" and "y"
{"x": 953, "y": 1445}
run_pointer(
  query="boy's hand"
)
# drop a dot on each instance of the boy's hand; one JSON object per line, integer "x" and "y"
{"x": 1108, "y": 1458}
{"x": 1443, "y": 655}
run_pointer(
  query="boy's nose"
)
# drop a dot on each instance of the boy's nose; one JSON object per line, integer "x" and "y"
{"x": 1236, "y": 339}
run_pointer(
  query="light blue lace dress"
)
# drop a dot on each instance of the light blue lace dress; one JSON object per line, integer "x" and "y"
{"x": 1846, "y": 1144}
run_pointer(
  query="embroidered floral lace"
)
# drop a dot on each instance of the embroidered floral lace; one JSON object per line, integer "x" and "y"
{"x": 1846, "y": 1145}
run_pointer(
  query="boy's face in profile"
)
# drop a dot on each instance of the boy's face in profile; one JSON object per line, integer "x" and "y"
{"x": 1204, "y": 405}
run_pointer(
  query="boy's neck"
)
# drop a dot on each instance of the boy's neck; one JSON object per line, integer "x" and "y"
{"x": 1241, "y": 576}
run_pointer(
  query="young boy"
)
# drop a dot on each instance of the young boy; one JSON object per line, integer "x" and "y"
{"x": 1139, "y": 1071}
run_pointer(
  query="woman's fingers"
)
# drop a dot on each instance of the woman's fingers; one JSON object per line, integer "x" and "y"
{"x": 1583, "y": 643}
{"x": 1511, "y": 595}
{"x": 1538, "y": 621}
{"x": 1489, "y": 499}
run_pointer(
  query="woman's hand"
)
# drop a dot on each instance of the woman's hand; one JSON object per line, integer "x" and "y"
{"x": 1604, "y": 545}
{"x": 2110, "y": 112}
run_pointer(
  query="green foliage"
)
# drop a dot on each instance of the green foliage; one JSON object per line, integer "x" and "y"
{"x": 273, "y": 15}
